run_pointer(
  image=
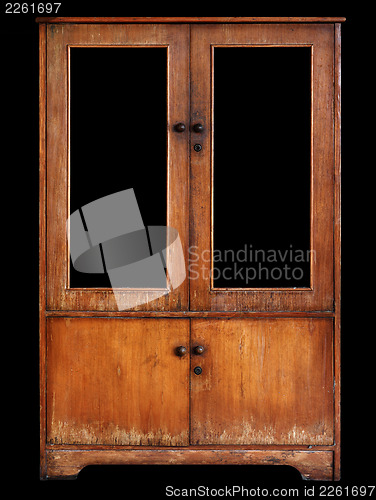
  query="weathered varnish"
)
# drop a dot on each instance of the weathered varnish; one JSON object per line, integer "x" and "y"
{"x": 112, "y": 388}
{"x": 263, "y": 393}
{"x": 127, "y": 396}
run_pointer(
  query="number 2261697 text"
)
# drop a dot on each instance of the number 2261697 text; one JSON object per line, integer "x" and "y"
{"x": 32, "y": 8}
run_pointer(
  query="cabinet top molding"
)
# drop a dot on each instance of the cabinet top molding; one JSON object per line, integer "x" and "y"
{"x": 190, "y": 19}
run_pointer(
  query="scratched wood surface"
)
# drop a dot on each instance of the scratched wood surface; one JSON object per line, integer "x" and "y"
{"x": 190, "y": 19}
{"x": 311, "y": 464}
{"x": 116, "y": 381}
{"x": 42, "y": 243}
{"x": 266, "y": 381}
{"x": 337, "y": 235}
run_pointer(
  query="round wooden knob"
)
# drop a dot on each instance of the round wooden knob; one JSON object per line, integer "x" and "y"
{"x": 179, "y": 127}
{"x": 181, "y": 350}
{"x": 199, "y": 349}
{"x": 198, "y": 128}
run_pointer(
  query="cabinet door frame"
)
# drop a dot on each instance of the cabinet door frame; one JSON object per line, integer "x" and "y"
{"x": 136, "y": 391}
{"x": 60, "y": 38}
{"x": 265, "y": 381}
{"x": 319, "y": 296}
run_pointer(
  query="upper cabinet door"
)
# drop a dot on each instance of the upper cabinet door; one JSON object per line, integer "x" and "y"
{"x": 117, "y": 167}
{"x": 262, "y": 167}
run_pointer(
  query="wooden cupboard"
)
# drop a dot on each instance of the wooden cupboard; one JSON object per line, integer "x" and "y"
{"x": 228, "y": 131}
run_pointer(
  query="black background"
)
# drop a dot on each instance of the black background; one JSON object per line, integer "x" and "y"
{"x": 19, "y": 397}
{"x": 121, "y": 143}
{"x": 262, "y": 125}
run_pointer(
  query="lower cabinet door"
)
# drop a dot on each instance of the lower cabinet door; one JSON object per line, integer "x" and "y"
{"x": 117, "y": 381}
{"x": 263, "y": 381}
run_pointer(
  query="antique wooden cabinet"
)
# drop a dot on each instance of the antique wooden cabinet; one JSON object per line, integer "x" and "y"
{"x": 189, "y": 242}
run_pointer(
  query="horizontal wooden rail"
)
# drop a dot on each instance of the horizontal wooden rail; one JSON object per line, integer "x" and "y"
{"x": 190, "y": 19}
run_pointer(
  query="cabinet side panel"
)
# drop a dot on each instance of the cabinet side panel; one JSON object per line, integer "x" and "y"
{"x": 42, "y": 243}
{"x": 337, "y": 249}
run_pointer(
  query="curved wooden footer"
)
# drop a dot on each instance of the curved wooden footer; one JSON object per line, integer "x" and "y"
{"x": 66, "y": 464}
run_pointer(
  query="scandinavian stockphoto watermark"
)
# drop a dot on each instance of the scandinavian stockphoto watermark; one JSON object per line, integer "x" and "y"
{"x": 249, "y": 264}
{"x": 108, "y": 236}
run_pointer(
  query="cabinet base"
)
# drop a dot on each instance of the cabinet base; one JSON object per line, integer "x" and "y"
{"x": 66, "y": 464}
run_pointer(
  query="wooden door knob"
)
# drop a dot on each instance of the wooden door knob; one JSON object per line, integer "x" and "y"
{"x": 198, "y": 128}
{"x": 181, "y": 351}
{"x": 199, "y": 349}
{"x": 179, "y": 127}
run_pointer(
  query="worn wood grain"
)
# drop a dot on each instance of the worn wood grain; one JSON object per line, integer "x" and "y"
{"x": 113, "y": 381}
{"x": 194, "y": 314}
{"x": 337, "y": 239}
{"x": 42, "y": 243}
{"x": 144, "y": 20}
{"x": 266, "y": 381}
{"x": 311, "y": 464}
